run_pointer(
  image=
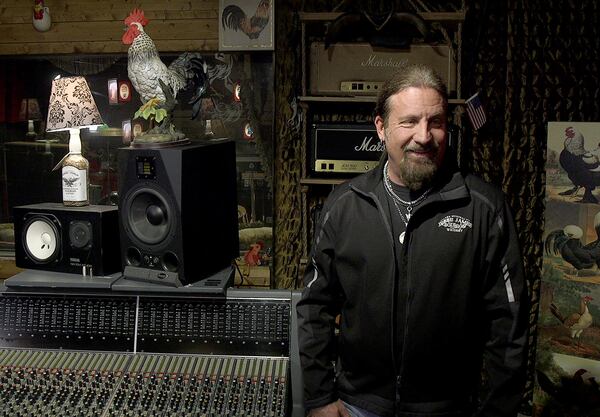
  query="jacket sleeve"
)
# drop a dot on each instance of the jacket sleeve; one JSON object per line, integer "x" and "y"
{"x": 506, "y": 306}
{"x": 317, "y": 309}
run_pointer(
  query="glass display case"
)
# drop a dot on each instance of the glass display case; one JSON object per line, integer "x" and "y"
{"x": 238, "y": 104}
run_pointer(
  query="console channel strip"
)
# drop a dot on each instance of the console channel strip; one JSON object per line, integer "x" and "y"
{"x": 81, "y": 384}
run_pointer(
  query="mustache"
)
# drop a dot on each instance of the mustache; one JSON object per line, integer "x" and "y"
{"x": 413, "y": 147}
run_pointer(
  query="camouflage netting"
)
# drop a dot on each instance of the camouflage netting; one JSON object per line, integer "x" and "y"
{"x": 533, "y": 62}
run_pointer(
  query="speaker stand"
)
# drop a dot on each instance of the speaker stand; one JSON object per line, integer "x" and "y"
{"x": 216, "y": 284}
{"x": 30, "y": 278}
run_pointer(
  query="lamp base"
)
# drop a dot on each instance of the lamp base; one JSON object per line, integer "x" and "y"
{"x": 30, "y": 130}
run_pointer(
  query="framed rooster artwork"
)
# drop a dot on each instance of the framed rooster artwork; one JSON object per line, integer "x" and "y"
{"x": 568, "y": 327}
{"x": 246, "y": 25}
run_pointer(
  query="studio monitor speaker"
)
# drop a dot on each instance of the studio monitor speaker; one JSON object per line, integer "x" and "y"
{"x": 53, "y": 237}
{"x": 178, "y": 211}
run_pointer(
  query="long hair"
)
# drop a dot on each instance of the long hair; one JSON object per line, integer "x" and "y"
{"x": 410, "y": 75}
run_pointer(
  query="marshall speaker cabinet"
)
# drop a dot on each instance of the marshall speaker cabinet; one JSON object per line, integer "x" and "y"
{"x": 178, "y": 208}
{"x": 348, "y": 148}
{"x": 52, "y": 237}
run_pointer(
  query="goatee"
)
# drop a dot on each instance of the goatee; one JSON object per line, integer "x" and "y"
{"x": 418, "y": 174}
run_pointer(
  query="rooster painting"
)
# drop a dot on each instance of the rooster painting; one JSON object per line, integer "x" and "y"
{"x": 567, "y": 243}
{"x": 581, "y": 166}
{"x": 575, "y": 322}
{"x": 234, "y": 18}
{"x": 573, "y": 396}
{"x": 152, "y": 79}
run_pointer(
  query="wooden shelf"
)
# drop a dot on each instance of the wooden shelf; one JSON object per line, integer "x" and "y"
{"x": 450, "y": 17}
{"x": 312, "y": 27}
{"x": 357, "y": 99}
{"x": 338, "y": 99}
{"x": 322, "y": 181}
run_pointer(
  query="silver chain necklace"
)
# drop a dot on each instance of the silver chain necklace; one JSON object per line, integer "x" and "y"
{"x": 396, "y": 198}
{"x": 402, "y": 217}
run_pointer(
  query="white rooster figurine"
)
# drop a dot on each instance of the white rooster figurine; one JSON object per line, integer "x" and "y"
{"x": 156, "y": 83}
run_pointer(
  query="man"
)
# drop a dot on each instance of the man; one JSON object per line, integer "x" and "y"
{"x": 422, "y": 262}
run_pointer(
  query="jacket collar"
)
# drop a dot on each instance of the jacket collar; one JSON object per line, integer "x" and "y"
{"x": 449, "y": 185}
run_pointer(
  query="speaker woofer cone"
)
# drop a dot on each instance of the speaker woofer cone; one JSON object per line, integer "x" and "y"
{"x": 149, "y": 216}
{"x": 41, "y": 239}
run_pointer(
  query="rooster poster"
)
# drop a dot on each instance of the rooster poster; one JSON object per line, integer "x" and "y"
{"x": 246, "y": 25}
{"x": 568, "y": 342}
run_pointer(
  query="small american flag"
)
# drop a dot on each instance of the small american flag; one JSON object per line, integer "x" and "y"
{"x": 475, "y": 111}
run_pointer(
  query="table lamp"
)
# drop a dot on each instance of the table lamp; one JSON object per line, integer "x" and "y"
{"x": 71, "y": 108}
{"x": 30, "y": 112}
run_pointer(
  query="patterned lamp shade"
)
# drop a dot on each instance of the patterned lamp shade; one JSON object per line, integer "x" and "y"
{"x": 71, "y": 105}
{"x": 30, "y": 109}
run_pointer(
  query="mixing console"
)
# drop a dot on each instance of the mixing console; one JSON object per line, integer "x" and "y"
{"x": 50, "y": 383}
{"x": 151, "y": 355}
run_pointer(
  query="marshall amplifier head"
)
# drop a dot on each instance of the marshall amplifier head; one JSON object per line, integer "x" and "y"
{"x": 349, "y": 148}
{"x": 334, "y": 70}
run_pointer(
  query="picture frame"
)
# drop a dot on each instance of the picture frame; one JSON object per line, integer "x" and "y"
{"x": 127, "y": 131}
{"x": 137, "y": 128}
{"x": 113, "y": 92}
{"x": 124, "y": 91}
{"x": 246, "y": 25}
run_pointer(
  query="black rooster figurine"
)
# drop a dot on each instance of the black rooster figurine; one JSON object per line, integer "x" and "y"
{"x": 381, "y": 24}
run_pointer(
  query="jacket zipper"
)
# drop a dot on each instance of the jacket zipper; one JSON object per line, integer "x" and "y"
{"x": 374, "y": 198}
{"x": 398, "y": 368}
{"x": 406, "y": 269}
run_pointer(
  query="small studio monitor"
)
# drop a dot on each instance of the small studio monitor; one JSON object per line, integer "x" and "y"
{"x": 53, "y": 237}
{"x": 178, "y": 211}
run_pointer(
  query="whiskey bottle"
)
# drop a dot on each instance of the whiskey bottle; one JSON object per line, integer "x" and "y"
{"x": 75, "y": 173}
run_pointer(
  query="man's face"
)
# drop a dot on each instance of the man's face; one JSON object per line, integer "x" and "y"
{"x": 415, "y": 136}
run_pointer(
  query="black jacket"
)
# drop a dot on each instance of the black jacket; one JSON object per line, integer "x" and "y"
{"x": 412, "y": 341}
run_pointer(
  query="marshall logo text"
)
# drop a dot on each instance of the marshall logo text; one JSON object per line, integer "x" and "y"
{"x": 374, "y": 61}
{"x": 368, "y": 147}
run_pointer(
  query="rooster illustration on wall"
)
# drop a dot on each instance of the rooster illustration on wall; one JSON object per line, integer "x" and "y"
{"x": 567, "y": 243}
{"x": 246, "y": 24}
{"x": 582, "y": 166}
{"x": 233, "y": 17}
{"x": 577, "y": 321}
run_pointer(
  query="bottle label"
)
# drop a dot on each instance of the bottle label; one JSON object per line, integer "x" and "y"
{"x": 74, "y": 184}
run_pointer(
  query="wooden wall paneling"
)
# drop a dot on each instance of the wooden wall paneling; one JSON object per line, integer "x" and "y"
{"x": 83, "y": 26}
{"x": 22, "y": 15}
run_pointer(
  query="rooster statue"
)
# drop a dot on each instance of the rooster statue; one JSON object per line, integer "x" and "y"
{"x": 156, "y": 83}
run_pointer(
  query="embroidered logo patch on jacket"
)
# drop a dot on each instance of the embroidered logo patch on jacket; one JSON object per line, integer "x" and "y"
{"x": 455, "y": 223}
